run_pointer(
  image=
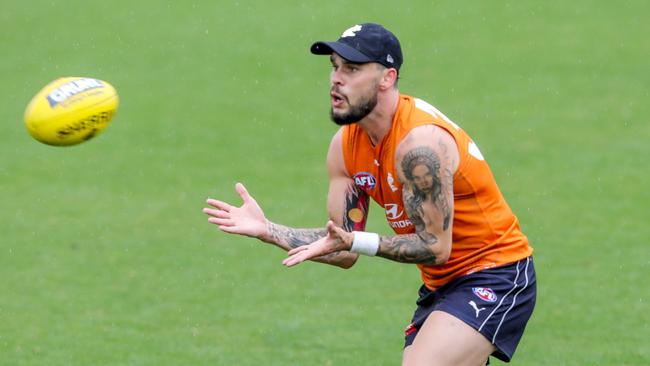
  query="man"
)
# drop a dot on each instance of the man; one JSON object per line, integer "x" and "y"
{"x": 440, "y": 198}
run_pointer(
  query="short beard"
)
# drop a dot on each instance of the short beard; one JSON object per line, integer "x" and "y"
{"x": 356, "y": 113}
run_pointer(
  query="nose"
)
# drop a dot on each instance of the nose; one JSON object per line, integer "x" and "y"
{"x": 335, "y": 77}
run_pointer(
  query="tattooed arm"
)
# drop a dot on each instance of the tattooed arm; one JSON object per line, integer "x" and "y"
{"x": 347, "y": 208}
{"x": 426, "y": 161}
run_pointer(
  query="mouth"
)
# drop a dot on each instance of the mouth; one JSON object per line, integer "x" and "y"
{"x": 337, "y": 99}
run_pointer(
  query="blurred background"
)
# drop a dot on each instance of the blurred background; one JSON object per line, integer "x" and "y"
{"x": 106, "y": 258}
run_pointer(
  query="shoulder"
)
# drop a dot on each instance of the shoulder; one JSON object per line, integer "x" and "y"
{"x": 335, "y": 160}
{"x": 428, "y": 140}
{"x": 426, "y": 135}
{"x": 336, "y": 144}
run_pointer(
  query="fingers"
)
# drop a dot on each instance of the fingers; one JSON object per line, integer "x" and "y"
{"x": 227, "y": 226}
{"x": 305, "y": 252}
{"x": 219, "y": 204}
{"x": 221, "y": 222}
{"x": 243, "y": 193}
{"x": 234, "y": 229}
{"x": 296, "y": 259}
{"x": 219, "y": 217}
{"x": 216, "y": 213}
{"x": 297, "y": 250}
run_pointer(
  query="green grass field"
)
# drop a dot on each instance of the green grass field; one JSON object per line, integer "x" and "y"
{"x": 106, "y": 258}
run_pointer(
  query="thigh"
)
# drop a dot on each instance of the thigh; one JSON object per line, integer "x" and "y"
{"x": 446, "y": 340}
{"x": 496, "y": 303}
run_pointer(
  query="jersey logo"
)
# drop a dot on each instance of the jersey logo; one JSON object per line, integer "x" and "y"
{"x": 392, "y": 211}
{"x": 485, "y": 294}
{"x": 391, "y": 182}
{"x": 365, "y": 180}
{"x": 351, "y": 32}
{"x": 393, "y": 215}
{"x": 474, "y": 151}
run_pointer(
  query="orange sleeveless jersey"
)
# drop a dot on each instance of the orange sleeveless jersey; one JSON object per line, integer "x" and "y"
{"x": 485, "y": 231}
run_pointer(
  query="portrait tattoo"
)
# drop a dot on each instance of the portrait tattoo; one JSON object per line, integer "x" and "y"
{"x": 424, "y": 177}
{"x": 423, "y": 185}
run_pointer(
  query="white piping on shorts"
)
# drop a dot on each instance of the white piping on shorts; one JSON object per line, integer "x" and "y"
{"x": 514, "y": 300}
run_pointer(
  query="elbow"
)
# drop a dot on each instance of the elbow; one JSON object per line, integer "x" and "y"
{"x": 443, "y": 258}
{"x": 443, "y": 254}
{"x": 348, "y": 261}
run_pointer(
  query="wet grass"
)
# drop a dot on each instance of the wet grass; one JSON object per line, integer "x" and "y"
{"x": 106, "y": 259}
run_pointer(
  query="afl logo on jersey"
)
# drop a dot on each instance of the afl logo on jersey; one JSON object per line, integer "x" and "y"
{"x": 365, "y": 180}
{"x": 485, "y": 294}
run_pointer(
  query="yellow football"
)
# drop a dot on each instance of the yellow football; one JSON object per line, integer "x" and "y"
{"x": 71, "y": 110}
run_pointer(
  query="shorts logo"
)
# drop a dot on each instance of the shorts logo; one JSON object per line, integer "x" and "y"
{"x": 365, "y": 180}
{"x": 410, "y": 329}
{"x": 476, "y": 308}
{"x": 485, "y": 294}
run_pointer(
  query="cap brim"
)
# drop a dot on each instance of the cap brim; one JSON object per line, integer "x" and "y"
{"x": 345, "y": 51}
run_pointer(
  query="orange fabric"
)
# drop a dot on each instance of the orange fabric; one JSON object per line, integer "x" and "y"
{"x": 485, "y": 231}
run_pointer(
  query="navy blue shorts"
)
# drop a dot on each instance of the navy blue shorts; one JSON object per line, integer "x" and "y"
{"x": 497, "y": 302}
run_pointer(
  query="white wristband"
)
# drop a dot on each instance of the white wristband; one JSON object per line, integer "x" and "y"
{"x": 365, "y": 243}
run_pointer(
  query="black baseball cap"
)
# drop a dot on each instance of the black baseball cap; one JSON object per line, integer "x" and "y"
{"x": 367, "y": 42}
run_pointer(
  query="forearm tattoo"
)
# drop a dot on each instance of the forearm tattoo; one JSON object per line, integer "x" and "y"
{"x": 290, "y": 238}
{"x": 410, "y": 248}
{"x": 356, "y": 209}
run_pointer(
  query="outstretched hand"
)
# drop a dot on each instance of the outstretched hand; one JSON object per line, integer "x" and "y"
{"x": 336, "y": 240}
{"x": 248, "y": 219}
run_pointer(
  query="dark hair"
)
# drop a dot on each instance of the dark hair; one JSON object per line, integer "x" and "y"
{"x": 422, "y": 156}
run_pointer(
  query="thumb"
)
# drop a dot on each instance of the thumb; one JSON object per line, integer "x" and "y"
{"x": 243, "y": 193}
{"x": 331, "y": 227}
{"x": 338, "y": 234}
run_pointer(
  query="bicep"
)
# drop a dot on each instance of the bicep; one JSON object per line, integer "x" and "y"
{"x": 426, "y": 163}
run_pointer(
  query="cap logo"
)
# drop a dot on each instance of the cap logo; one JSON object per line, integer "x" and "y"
{"x": 389, "y": 58}
{"x": 351, "y": 32}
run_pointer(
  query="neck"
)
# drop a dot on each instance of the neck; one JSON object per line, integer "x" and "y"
{"x": 379, "y": 121}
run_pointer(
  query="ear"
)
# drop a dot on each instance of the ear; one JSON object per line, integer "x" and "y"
{"x": 388, "y": 79}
